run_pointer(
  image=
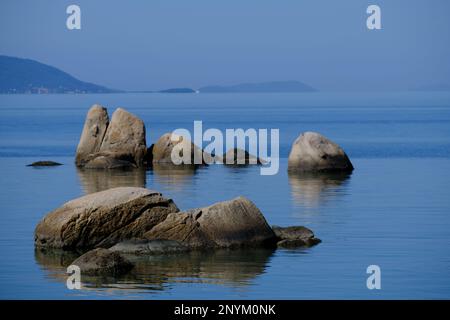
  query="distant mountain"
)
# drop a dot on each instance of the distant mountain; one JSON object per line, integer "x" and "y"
{"x": 274, "y": 86}
{"x": 178, "y": 90}
{"x": 29, "y": 76}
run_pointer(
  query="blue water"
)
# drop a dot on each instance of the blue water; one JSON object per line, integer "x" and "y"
{"x": 393, "y": 211}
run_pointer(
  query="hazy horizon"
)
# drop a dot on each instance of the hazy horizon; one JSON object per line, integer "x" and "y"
{"x": 165, "y": 44}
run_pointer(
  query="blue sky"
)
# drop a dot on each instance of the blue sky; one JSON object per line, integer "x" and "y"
{"x": 156, "y": 44}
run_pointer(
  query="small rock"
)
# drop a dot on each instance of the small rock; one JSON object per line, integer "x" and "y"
{"x": 295, "y": 236}
{"x": 162, "y": 150}
{"x": 102, "y": 262}
{"x": 44, "y": 163}
{"x": 312, "y": 152}
{"x": 239, "y": 157}
{"x": 149, "y": 247}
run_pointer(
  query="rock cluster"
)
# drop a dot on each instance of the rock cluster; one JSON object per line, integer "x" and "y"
{"x": 116, "y": 144}
{"x": 138, "y": 221}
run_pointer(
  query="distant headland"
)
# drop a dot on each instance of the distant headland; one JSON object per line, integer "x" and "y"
{"x": 26, "y": 76}
{"x": 273, "y": 86}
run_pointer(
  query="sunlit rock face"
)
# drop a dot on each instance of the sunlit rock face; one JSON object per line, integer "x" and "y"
{"x": 116, "y": 144}
{"x": 312, "y": 152}
{"x": 233, "y": 223}
{"x": 104, "y": 218}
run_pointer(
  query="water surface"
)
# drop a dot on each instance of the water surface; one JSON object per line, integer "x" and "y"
{"x": 392, "y": 211}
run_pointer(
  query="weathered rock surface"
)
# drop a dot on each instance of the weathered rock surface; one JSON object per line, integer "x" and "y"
{"x": 44, "y": 163}
{"x": 102, "y": 262}
{"x": 294, "y": 236}
{"x": 149, "y": 247}
{"x": 94, "y": 130}
{"x": 233, "y": 223}
{"x": 162, "y": 150}
{"x": 312, "y": 152}
{"x": 238, "y": 156}
{"x": 125, "y": 138}
{"x": 116, "y": 144}
{"x": 103, "y": 219}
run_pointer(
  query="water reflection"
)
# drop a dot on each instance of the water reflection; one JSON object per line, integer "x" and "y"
{"x": 235, "y": 268}
{"x": 175, "y": 176}
{"x": 311, "y": 190}
{"x": 94, "y": 180}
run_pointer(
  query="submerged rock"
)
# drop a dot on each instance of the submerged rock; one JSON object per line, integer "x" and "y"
{"x": 312, "y": 152}
{"x": 102, "y": 262}
{"x": 233, "y": 223}
{"x": 108, "y": 145}
{"x": 295, "y": 236}
{"x": 103, "y": 219}
{"x": 149, "y": 247}
{"x": 44, "y": 163}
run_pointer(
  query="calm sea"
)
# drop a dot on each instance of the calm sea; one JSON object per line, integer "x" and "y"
{"x": 393, "y": 211}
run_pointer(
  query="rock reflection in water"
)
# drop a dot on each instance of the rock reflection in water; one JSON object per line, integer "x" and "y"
{"x": 94, "y": 180}
{"x": 224, "y": 267}
{"x": 175, "y": 176}
{"x": 310, "y": 190}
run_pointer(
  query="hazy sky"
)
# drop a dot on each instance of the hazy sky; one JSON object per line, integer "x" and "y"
{"x": 157, "y": 44}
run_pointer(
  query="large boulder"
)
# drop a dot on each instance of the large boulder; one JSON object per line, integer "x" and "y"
{"x": 103, "y": 219}
{"x": 116, "y": 144}
{"x": 125, "y": 138}
{"x": 102, "y": 262}
{"x": 163, "y": 148}
{"x": 94, "y": 129}
{"x": 233, "y": 223}
{"x": 312, "y": 152}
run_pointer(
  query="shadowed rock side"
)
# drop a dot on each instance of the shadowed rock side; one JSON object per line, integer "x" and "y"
{"x": 149, "y": 247}
{"x": 312, "y": 152}
{"x": 104, "y": 218}
{"x": 118, "y": 144}
{"x": 236, "y": 157}
{"x": 296, "y": 236}
{"x": 233, "y": 223}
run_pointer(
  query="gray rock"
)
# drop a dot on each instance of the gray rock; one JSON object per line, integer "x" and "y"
{"x": 102, "y": 262}
{"x": 149, "y": 247}
{"x": 45, "y": 163}
{"x": 233, "y": 223}
{"x": 312, "y": 152}
{"x": 295, "y": 236}
{"x": 103, "y": 219}
{"x": 94, "y": 130}
{"x": 162, "y": 150}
